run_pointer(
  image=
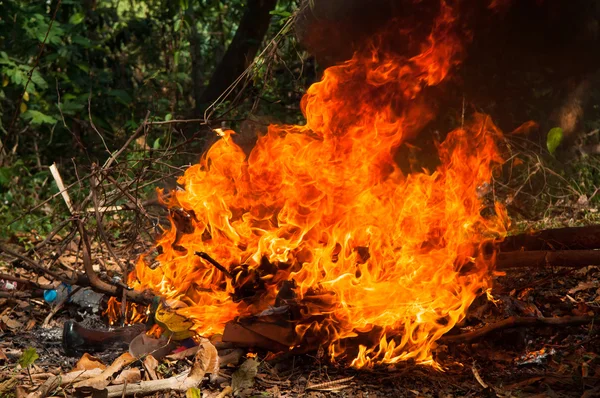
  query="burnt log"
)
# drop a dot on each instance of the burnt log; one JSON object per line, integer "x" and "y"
{"x": 546, "y": 258}
{"x": 569, "y": 238}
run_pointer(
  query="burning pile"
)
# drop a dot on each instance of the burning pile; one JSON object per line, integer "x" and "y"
{"x": 380, "y": 264}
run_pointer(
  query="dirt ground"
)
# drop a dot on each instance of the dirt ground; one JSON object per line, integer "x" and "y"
{"x": 546, "y": 361}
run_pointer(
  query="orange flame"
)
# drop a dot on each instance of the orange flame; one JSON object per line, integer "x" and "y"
{"x": 373, "y": 252}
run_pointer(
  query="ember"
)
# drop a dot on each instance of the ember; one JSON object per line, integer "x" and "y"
{"x": 383, "y": 264}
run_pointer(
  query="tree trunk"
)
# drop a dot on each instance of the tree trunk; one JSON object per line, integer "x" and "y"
{"x": 241, "y": 51}
{"x": 197, "y": 64}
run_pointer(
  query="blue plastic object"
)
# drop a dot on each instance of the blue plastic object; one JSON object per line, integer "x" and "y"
{"x": 57, "y": 295}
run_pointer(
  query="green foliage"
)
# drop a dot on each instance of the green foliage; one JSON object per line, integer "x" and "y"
{"x": 21, "y": 189}
{"x": 554, "y": 138}
{"x": 29, "y": 356}
{"x": 110, "y": 64}
{"x": 193, "y": 392}
{"x": 37, "y": 117}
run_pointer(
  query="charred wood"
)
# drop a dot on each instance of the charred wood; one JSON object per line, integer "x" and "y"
{"x": 215, "y": 263}
{"x": 547, "y": 258}
{"x": 569, "y": 238}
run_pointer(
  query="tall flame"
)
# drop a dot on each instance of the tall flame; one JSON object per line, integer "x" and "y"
{"x": 394, "y": 257}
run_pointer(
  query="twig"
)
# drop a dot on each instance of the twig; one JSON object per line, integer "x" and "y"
{"x": 23, "y": 281}
{"x": 478, "y": 377}
{"x": 330, "y": 385}
{"x": 180, "y": 383}
{"x": 51, "y": 235}
{"x": 99, "y": 224}
{"x": 129, "y": 196}
{"x": 513, "y": 322}
{"x": 98, "y": 284}
{"x": 34, "y": 208}
{"x": 60, "y": 380}
{"x": 214, "y": 262}
{"x": 135, "y": 135}
{"x": 19, "y": 295}
{"x": 61, "y": 187}
{"x": 93, "y": 125}
{"x": 158, "y": 123}
{"x": 59, "y": 306}
{"x": 37, "y": 267}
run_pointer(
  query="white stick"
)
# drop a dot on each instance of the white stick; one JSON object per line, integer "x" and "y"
{"x": 61, "y": 187}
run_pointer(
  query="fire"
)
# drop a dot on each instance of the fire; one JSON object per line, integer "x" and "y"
{"x": 383, "y": 263}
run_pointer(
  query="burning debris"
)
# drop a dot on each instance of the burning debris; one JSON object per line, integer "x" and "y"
{"x": 382, "y": 263}
{"x": 317, "y": 241}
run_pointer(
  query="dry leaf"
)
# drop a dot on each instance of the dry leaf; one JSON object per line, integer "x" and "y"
{"x": 209, "y": 357}
{"x": 67, "y": 261}
{"x": 132, "y": 375}
{"x": 10, "y": 323}
{"x": 206, "y": 361}
{"x": 43, "y": 281}
{"x": 184, "y": 353}
{"x": 30, "y": 324}
{"x": 88, "y": 362}
{"x": 3, "y": 357}
{"x": 21, "y": 392}
{"x": 244, "y": 376}
{"x": 150, "y": 364}
{"x": 584, "y": 286}
{"x": 101, "y": 381}
{"x": 230, "y": 356}
{"x": 144, "y": 345}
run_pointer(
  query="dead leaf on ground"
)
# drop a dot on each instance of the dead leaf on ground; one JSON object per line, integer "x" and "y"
{"x": 43, "y": 280}
{"x": 230, "y": 356}
{"x": 132, "y": 375}
{"x": 101, "y": 381}
{"x": 244, "y": 376}
{"x": 584, "y": 286}
{"x": 68, "y": 261}
{"x": 7, "y": 386}
{"x": 7, "y": 322}
{"x": 184, "y": 353}
{"x": 210, "y": 357}
{"x": 88, "y": 362}
{"x": 143, "y": 345}
{"x": 30, "y": 324}
{"x": 150, "y": 364}
{"x": 3, "y": 357}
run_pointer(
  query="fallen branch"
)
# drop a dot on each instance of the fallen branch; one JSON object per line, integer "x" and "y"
{"x": 181, "y": 383}
{"x": 28, "y": 263}
{"x": 25, "y": 282}
{"x": 144, "y": 298}
{"x": 540, "y": 259}
{"x": 21, "y": 295}
{"x": 61, "y": 380}
{"x": 513, "y": 322}
{"x": 569, "y": 238}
